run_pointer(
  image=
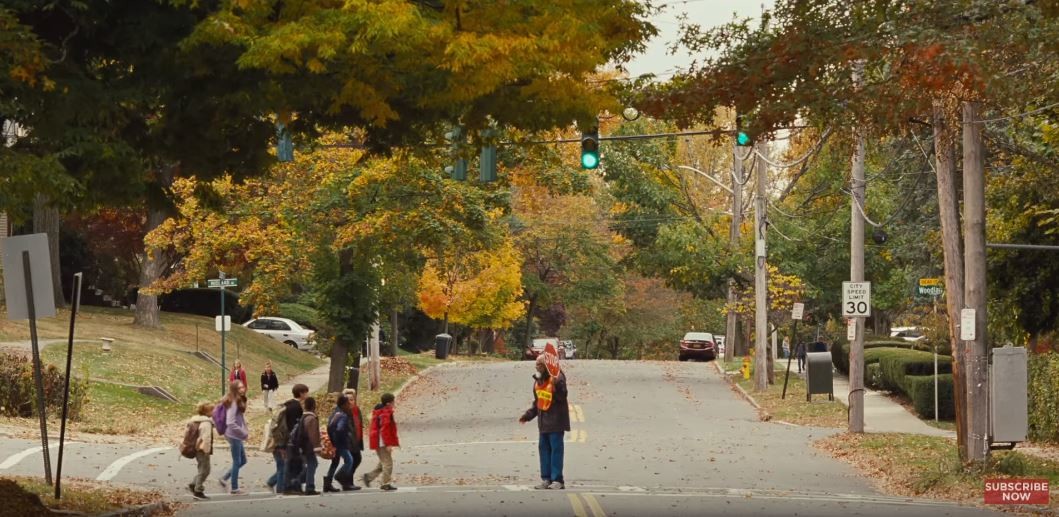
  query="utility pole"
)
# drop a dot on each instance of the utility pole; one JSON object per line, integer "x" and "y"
{"x": 731, "y": 330}
{"x": 977, "y": 363}
{"x": 760, "y": 279}
{"x": 949, "y": 212}
{"x": 856, "y": 274}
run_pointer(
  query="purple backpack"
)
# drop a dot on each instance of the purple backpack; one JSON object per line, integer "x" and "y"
{"x": 220, "y": 418}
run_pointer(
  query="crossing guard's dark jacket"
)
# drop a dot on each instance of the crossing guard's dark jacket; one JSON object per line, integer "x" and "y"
{"x": 557, "y": 418}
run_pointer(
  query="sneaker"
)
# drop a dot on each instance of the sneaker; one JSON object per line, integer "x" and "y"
{"x": 545, "y": 485}
{"x": 330, "y": 488}
{"x": 199, "y": 495}
{"x": 366, "y": 480}
{"x": 350, "y": 488}
{"x": 311, "y": 492}
{"x": 558, "y": 485}
{"x": 237, "y": 491}
{"x": 388, "y": 488}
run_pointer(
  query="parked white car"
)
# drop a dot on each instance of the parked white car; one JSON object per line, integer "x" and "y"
{"x": 284, "y": 330}
{"x": 910, "y": 334}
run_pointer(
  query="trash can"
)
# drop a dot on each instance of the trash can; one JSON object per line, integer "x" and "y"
{"x": 818, "y": 375}
{"x": 441, "y": 345}
{"x": 818, "y": 346}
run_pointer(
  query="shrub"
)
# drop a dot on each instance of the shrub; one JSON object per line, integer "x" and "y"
{"x": 18, "y": 394}
{"x": 895, "y": 367}
{"x": 920, "y": 389}
{"x": 304, "y": 315}
{"x": 1043, "y": 395}
{"x": 872, "y": 377}
{"x": 840, "y": 354}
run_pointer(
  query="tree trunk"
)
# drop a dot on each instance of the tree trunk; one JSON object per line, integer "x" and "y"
{"x": 528, "y": 338}
{"x": 336, "y": 375}
{"x": 952, "y": 248}
{"x": 614, "y": 347}
{"x": 46, "y": 219}
{"x": 151, "y": 270}
{"x": 394, "y": 335}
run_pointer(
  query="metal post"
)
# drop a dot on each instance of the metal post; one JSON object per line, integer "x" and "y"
{"x": 38, "y": 377}
{"x": 790, "y": 353}
{"x": 75, "y": 299}
{"x": 224, "y": 369}
{"x": 731, "y": 330}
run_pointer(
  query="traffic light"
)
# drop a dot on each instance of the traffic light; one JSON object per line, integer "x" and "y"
{"x": 590, "y": 148}
{"x": 487, "y": 170}
{"x": 458, "y": 171}
{"x": 742, "y": 138}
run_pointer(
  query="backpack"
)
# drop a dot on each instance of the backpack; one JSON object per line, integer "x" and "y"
{"x": 298, "y": 438}
{"x": 277, "y": 429}
{"x": 220, "y": 418}
{"x": 327, "y": 449}
{"x": 189, "y": 446}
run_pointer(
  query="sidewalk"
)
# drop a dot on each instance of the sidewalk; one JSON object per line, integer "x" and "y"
{"x": 315, "y": 379}
{"x": 882, "y": 415}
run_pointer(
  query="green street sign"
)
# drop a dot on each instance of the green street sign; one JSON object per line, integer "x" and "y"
{"x": 222, "y": 282}
{"x": 930, "y": 287}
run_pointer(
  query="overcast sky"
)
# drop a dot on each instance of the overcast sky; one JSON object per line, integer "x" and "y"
{"x": 707, "y": 13}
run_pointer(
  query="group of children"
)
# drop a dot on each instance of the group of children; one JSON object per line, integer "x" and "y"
{"x": 295, "y": 439}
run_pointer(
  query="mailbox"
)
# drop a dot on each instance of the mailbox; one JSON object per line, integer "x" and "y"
{"x": 818, "y": 376}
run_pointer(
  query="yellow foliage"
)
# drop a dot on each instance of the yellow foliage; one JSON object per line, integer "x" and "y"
{"x": 482, "y": 289}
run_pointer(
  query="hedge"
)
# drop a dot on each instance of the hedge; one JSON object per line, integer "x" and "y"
{"x": 920, "y": 388}
{"x": 872, "y": 377}
{"x": 1044, "y": 397}
{"x": 840, "y": 354}
{"x": 897, "y": 366}
{"x": 18, "y": 395}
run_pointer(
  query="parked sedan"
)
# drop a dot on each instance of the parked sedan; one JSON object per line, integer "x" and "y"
{"x": 284, "y": 330}
{"x": 698, "y": 345}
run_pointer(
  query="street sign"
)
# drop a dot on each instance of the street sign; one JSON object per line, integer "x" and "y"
{"x": 967, "y": 325}
{"x": 930, "y": 287}
{"x": 222, "y": 282}
{"x": 856, "y": 299}
{"x": 851, "y": 329}
{"x": 799, "y": 309}
{"x": 227, "y": 323}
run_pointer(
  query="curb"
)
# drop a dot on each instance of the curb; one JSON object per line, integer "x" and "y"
{"x": 747, "y": 396}
{"x": 414, "y": 378}
{"x": 138, "y": 511}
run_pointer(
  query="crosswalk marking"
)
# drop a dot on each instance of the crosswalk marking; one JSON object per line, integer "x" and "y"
{"x": 113, "y": 469}
{"x": 15, "y": 459}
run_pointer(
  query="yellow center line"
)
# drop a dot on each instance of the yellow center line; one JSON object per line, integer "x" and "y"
{"x": 583, "y": 437}
{"x": 579, "y": 509}
{"x": 597, "y": 510}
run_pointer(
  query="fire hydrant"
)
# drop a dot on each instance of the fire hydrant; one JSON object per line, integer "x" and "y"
{"x": 746, "y": 368}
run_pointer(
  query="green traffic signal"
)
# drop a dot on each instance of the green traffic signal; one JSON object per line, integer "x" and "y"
{"x": 590, "y": 149}
{"x": 589, "y": 160}
{"x": 742, "y": 139}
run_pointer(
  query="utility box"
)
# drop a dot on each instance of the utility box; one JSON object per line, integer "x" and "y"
{"x": 1008, "y": 402}
{"x": 818, "y": 376}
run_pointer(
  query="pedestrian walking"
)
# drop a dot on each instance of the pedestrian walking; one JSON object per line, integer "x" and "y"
{"x": 238, "y": 373}
{"x": 356, "y": 427}
{"x": 236, "y": 432}
{"x": 198, "y": 443}
{"x": 269, "y": 385}
{"x": 287, "y": 479}
{"x": 799, "y": 352}
{"x": 383, "y": 440}
{"x": 339, "y": 431}
{"x": 552, "y": 411}
{"x": 306, "y": 437}
{"x": 786, "y": 347}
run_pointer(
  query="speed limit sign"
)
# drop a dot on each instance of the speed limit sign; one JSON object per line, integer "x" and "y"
{"x": 856, "y": 299}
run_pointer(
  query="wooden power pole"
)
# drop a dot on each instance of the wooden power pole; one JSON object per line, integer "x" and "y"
{"x": 731, "y": 330}
{"x": 856, "y": 274}
{"x": 760, "y": 278}
{"x": 977, "y": 363}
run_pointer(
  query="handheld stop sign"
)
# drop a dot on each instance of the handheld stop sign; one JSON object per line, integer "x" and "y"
{"x": 551, "y": 360}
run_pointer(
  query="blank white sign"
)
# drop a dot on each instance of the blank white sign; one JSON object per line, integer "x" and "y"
{"x": 15, "y": 276}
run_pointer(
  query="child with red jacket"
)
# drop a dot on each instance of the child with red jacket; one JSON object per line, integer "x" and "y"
{"x": 383, "y": 439}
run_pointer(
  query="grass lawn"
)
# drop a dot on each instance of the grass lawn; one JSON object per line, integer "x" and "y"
{"x": 794, "y": 409}
{"x": 156, "y": 357}
{"x": 85, "y": 497}
{"x": 928, "y": 466}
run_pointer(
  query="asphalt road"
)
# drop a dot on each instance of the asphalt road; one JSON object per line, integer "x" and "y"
{"x": 647, "y": 439}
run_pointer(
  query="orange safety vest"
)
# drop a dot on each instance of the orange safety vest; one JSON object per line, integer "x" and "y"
{"x": 544, "y": 394}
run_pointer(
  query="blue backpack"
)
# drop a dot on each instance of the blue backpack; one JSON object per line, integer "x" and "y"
{"x": 220, "y": 418}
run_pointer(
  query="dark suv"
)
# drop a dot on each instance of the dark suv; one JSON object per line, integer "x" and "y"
{"x": 698, "y": 345}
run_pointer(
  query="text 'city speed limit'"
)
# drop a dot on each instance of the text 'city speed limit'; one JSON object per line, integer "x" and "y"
{"x": 856, "y": 299}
